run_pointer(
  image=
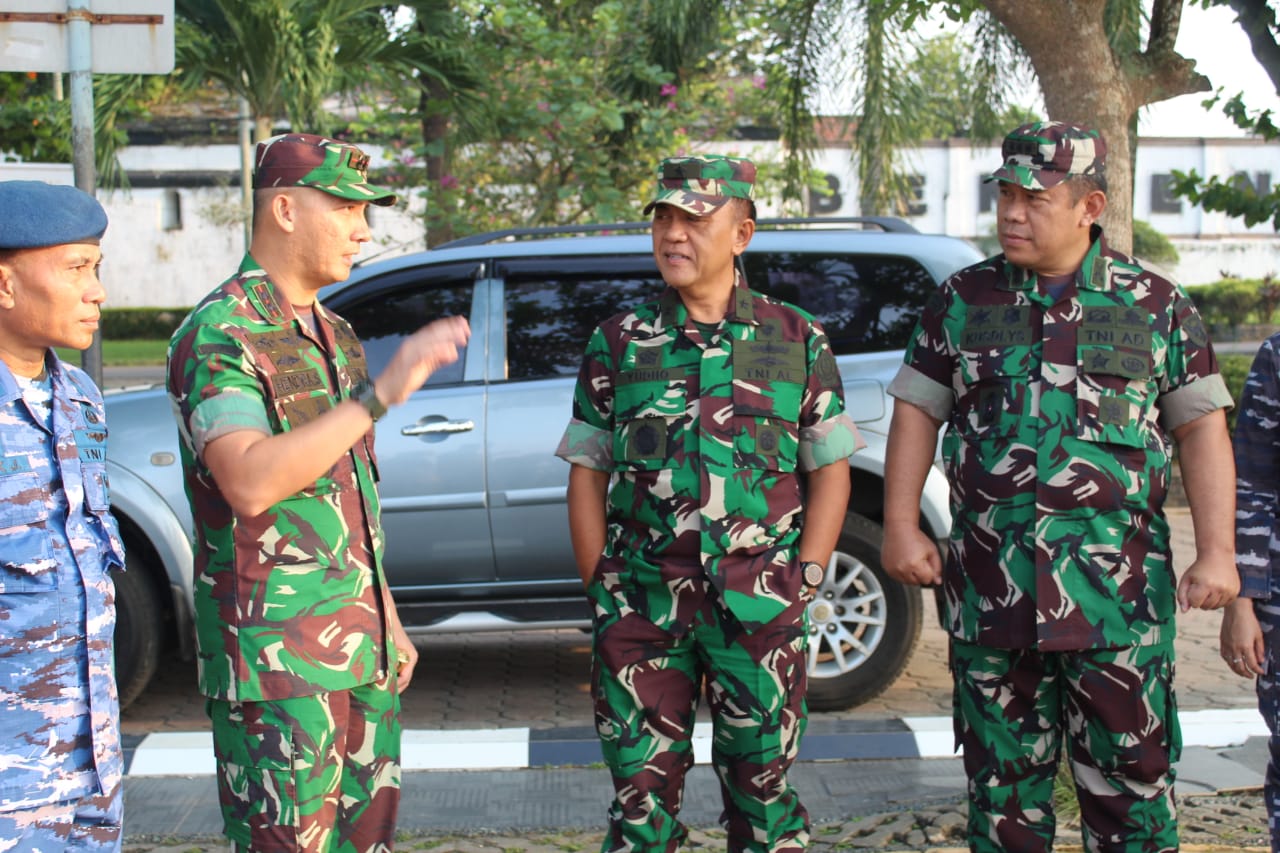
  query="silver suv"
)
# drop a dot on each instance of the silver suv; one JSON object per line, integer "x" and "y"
{"x": 473, "y": 498}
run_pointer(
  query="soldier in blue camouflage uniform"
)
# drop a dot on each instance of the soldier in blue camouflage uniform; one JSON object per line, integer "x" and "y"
{"x": 710, "y": 409}
{"x": 60, "y": 762}
{"x": 301, "y": 652}
{"x": 1251, "y": 623}
{"x": 1064, "y": 371}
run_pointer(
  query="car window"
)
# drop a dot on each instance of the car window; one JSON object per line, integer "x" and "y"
{"x": 865, "y": 303}
{"x": 550, "y": 317}
{"x": 386, "y": 312}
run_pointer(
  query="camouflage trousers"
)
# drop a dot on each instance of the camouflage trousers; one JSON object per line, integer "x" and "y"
{"x": 646, "y": 684}
{"x": 1116, "y": 710}
{"x": 92, "y": 823}
{"x": 1268, "y": 687}
{"x": 315, "y": 773}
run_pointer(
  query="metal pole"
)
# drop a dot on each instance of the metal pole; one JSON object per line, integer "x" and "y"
{"x": 246, "y": 170}
{"x": 80, "y": 48}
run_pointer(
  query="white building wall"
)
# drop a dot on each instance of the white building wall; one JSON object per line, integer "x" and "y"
{"x": 167, "y": 247}
{"x": 953, "y": 198}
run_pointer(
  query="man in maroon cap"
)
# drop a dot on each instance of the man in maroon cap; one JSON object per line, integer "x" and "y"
{"x": 301, "y": 652}
{"x": 709, "y": 478}
{"x": 1065, "y": 372}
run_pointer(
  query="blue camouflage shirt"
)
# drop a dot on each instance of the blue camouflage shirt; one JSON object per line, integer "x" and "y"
{"x": 1257, "y": 449}
{"x": 59, "y": 728}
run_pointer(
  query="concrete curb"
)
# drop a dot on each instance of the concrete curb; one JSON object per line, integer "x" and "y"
{"x": 191, "y": 753}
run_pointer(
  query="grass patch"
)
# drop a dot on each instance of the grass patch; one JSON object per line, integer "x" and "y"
{"x": 127, "y": 353}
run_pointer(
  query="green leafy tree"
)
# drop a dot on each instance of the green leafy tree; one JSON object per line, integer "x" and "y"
{"x": 1095, "y": 60}
{"x": 952, "y": 93}
{"x": 1230, "y": 195}
{"x": 1258, "y": 20}
{"x": 579, "y": 102}
{"x": 287, "y": 57}
{"x": 35, "y": 124}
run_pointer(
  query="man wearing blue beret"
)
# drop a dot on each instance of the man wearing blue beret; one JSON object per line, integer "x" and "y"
{"x": 60, "y": 760}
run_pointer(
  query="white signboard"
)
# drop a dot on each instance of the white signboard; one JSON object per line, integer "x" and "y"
{"x": 128, "y": 36}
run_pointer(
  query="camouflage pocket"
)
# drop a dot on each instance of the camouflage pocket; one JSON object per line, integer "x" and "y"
{"x": 23, "y": 499}
{"x": 766, "y": 444}
{"x": 995, "y": 388}
{"x": 256, "y": 785}
{"x": 652, "y": 414}
{"x": 26, "y": 549}
{"x": 1114, "y": 408}
{"x": 992, "y": 408}
{"x": 766, "y": 428}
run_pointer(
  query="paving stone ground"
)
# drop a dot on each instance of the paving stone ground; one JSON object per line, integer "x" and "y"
{"x": 539, "y": 679}
{"x": 1234, "y": 821}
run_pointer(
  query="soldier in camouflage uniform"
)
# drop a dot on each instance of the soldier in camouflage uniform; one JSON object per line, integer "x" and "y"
{"x": 710, "y": 409}
{"x": 60, "y": 761}
{"x": 301, "y": 652}
{"x": 1251, "y": 623}
{"x": 1063, "y": 371}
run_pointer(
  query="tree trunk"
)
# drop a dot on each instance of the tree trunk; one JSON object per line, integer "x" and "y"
{"x": 1258, "y": 20}
{"x": 435, "y": 127}
{"x": 1084, "y": 80}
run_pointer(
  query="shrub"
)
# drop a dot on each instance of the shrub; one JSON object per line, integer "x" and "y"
{"x": 1149, "y": 244}
{"x": 1268, "y": 297}
{"x": 1227, "y": 304}
{"x": 120, "y": 324}
{"x": 1236, "y": 299}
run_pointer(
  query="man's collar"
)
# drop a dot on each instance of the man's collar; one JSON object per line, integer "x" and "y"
{"x": 742, "y": 305}
{"x": 1094, "y": 272}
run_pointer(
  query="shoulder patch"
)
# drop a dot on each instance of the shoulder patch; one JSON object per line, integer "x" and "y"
{"x": 1192, "y": 322}
{"x": 827, "y": 371}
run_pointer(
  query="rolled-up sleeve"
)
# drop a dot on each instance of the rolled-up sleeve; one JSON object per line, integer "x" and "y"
{"x": 588, "y": 439}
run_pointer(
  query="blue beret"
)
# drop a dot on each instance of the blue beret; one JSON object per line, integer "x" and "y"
{"x": 34, "y": 214}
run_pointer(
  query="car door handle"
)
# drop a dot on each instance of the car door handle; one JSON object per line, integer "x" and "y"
{"x": 438, "y": 427}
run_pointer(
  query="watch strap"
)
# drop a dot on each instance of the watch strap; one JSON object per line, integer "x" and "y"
{"x": 366, "y": 395}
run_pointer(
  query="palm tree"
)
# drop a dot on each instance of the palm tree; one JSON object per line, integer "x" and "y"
{"x": 286, "y": 57}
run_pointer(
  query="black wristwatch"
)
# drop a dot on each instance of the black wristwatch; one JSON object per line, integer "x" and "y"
{"x": 367, "y": 395}
{"x": 813, "y": 573}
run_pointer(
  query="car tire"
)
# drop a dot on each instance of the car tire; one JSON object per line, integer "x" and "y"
{"x": 138, "y": 626}
{"x": 863, "y": 625}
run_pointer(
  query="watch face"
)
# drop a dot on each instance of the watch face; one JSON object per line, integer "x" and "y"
{"x": 813, "y": 573}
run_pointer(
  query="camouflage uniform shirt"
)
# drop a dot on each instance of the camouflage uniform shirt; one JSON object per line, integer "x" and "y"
{"x": 1257, "y": 450}
{"x": 59, "y": 729}
{"x": 287, "y": 603}
{"x": 706, "y": 440}
{"x": 1057, "y": 447}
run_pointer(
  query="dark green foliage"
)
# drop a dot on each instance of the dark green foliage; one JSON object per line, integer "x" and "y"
{"x": 1230, "y": 302}
{"x": 1150, "y": 245}
{"x": 141, "y": 323}
{"x": 33, "y": 125}
{"x": 1234, "y": 368}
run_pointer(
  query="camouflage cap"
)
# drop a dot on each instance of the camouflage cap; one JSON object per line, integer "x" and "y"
{"x": 701, "y": 184}
{"x": 305, "y": 160}
{"x": 1043, "y": 154}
